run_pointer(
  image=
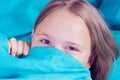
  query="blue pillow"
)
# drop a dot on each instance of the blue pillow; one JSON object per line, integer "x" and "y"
{"x": 17, "y": 17}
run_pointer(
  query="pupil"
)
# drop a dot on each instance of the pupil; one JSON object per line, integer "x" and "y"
{"x": 71, "y": 48}
{"x": 46, "y": 41}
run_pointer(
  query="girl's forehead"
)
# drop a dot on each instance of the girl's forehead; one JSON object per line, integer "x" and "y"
{"x": 64, "y": 17}
{"x": 64, "y": 14}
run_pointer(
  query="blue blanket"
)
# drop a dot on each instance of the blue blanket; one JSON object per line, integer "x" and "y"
{"x": 43, "y": 63}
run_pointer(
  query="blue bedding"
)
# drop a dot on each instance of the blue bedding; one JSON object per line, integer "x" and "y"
{"x": 17, "y": 18}
{"x": 43, "y": 63}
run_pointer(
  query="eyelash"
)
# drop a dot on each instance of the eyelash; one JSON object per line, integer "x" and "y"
{"x": 72, "y": 48}
{"x": 48, "y": 43}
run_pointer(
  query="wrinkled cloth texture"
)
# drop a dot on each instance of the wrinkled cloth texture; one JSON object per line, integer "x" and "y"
{"x": 17, "y": 17}
{"x": 115, "y": 71}
{"x": 43, "y": 63}
{"x": 3, "y": 44}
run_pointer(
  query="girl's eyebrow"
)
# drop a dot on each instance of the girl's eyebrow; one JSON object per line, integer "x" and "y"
{"x": 44, "y": 35}
{"x": 68, "y": 42}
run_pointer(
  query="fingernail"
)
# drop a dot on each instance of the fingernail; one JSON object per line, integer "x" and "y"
{"x": 26, "y": 53}
{"x": 13, "y": 54}
{"x": 9, "y": 51}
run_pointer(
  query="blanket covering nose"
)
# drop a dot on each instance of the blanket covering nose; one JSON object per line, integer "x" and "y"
{"x": 43, "y": 63}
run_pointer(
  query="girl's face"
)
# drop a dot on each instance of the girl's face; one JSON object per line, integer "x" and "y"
{"x": 65, "y": 31}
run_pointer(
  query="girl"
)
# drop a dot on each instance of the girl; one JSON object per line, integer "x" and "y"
{"x": 75, "y": 27}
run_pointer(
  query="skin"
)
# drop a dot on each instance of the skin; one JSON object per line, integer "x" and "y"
{"x": 18, "y": 48}
{"x": 65, "y": 31}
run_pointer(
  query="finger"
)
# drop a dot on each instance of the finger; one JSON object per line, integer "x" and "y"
{"x": 26, "y": 48}
{"x": 20, "y": 48}
{"x": 9, "y": 46}
{"x": 13, "y": 43}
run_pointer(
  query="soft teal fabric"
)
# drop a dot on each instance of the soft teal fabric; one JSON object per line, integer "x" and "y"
{"x": 110, "y": 11}
{"x": 43, "y": 63}
{"x": 115, "y": 71}
{"x": 95, "y": 3}
{"x": 3, "y": 44}
{"x": 17, "y": 17}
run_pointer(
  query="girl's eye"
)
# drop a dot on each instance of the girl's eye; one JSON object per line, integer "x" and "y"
{"x": 45, "y": 41}
{"x": 71, "y": 48}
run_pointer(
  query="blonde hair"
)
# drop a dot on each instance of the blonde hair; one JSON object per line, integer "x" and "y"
{"x": 103, "y": 48}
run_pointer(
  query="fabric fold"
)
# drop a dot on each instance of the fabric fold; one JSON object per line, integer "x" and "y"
{"x": 43, "y": 63}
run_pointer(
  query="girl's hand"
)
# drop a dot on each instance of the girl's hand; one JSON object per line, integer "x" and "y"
{"x": 18, "y": 48}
